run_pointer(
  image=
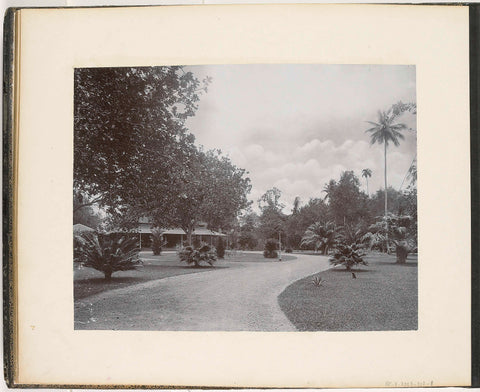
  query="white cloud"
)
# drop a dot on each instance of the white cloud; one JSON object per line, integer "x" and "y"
{"x": 298, "y": 126}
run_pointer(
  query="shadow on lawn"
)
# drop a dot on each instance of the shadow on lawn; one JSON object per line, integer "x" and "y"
{"x": 114, "y": 281}
{"x": 400, "y": 265}
{"x": 203, "y": 266}
{"x": 356, "y": 270}
{"x": 90, "y": 282}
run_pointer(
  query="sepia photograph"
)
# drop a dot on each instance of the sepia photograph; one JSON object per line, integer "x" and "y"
{"x": 254, "y": 197}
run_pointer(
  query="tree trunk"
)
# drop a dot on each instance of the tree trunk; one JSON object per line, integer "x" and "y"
{"x": 189, "y": 235}
{"x": 368, "y": 193}
{"x": 108, "y": 275}
{"x": 386, "y": 203}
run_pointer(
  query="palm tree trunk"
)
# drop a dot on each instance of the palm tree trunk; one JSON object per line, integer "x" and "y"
{"x": 368, "y": 193}
{"x": 386, "y": 203}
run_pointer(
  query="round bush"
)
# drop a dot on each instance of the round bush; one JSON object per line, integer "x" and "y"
{"x": 270, "y": 249}
{"x": 270, "y": 254}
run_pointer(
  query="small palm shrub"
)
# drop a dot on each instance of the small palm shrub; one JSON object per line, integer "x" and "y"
{"x": 352, "y": 234}
{"x": 289, "y": 250}
{"x": 270, "y": 249}
{"x": 198, "y": 256}
{"x": 157, "y": 241}
{"x": 399, "y": 236}
{"x": 376, "y": 240}
{"x": 78, "y": 243}
{"x": 320, "y": 236}
{"x": 108, "y": 253}
{"x": 220, "y": 248}
{"x": 348, "y": 255}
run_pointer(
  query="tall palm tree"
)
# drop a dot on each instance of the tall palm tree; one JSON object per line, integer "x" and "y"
{"x": 367, "y": 173}
{"x": 383, "y": 132}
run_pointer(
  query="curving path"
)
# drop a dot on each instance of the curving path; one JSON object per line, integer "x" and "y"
{"x": 241, "y": 298}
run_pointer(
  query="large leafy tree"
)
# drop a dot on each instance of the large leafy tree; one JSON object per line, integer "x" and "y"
{"x": 86, "y": 215}
{"x": 377, "y": 202}
{"x": 129, "y": 134}
{"x": 271, "y": 200}
{"x": 210, "y": 189}
{"x": 347, "y": 204}
{"x": 272, "y": 219}
{"x": 386, "y": 131}
{"x": 249, "y": 223}
{"x": 401, "y": 107}
{"x": 316, "y": 210}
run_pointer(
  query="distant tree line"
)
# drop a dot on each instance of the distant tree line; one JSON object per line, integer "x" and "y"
{"x": 344, "y": 205}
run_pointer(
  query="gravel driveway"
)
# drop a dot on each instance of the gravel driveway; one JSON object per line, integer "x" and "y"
{"x": 243, "y": 298}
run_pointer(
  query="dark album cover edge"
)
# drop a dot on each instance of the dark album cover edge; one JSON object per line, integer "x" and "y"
{"x": 8, "y": 206}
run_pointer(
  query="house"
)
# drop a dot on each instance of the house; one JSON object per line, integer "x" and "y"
{"x": 176, "y": 236}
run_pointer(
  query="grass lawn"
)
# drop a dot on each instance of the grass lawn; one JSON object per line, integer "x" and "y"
{"x": 384, "y": 296}
{"x": 88, "y": 281}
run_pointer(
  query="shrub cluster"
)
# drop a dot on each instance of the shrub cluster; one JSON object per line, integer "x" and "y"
{"x": 270, "y": 249}
{"x": 198, "y": 256}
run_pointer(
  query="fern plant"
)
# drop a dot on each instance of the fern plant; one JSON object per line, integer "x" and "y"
{"x": 108, "y": 253}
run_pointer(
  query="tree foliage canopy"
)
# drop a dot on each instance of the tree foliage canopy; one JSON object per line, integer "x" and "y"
{"x": 210, "y": 189}
{"x": 135, "y": 157}
{"x": 272, "y": 219}
{"x": 129, "y": 134}
{"x": 347, "y": 204}
{"x": 385, "y": 131}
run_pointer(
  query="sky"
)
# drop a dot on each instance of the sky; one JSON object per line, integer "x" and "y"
{"x": 295, "y": 127}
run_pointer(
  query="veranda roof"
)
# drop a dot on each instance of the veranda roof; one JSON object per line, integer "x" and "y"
{"x": 143, "y": 229}
{"x": 197, "y": 231}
